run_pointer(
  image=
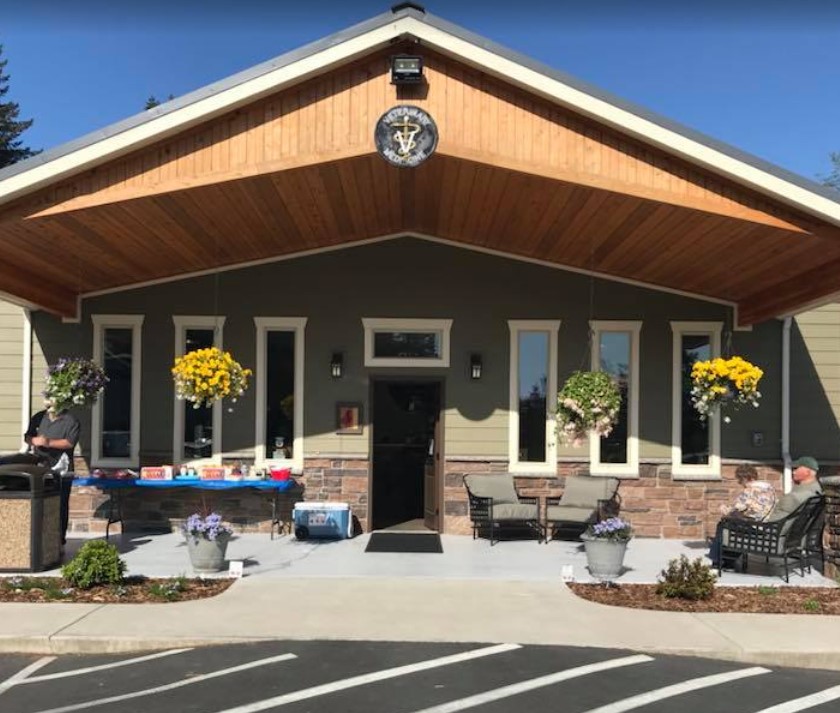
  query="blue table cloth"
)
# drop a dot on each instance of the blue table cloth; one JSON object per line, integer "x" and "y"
{"x": 119, "y": 483}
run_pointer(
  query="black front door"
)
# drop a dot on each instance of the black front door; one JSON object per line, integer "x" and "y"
{"x": 405, "y": 415}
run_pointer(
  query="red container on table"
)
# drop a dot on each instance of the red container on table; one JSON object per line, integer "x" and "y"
{"x": 280, "y": 473}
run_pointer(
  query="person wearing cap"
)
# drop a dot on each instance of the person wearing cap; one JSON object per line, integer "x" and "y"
{"x": 806, "y": 486}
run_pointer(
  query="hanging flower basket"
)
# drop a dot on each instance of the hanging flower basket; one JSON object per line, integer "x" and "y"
{"x": 724, "y": 383}
{"x": 73, "y": 382}
{"x": 205, "y": 376}
{"x": 588, "y": 401}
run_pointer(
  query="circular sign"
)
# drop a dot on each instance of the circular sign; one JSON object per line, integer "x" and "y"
{"x": 405, "y": 136}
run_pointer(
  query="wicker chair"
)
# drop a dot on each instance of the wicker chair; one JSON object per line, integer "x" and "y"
{"x": 585, "y": 499}
{"x": 495, "y": 504}
{"x": 787, "y": 538}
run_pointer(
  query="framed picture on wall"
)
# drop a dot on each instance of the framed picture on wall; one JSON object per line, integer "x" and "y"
{"x": 348, "y": 418}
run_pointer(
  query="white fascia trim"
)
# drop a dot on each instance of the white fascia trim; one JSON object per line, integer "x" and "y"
{"x": 26, "y": 376}
{"x": 625, "y": 121}
{"x": 417, "y": 236}
{"x": 679, "y": 470}
{"x": 549, "y": 466}
{"x": 263, "y": 326}
{"x": 198, "y": 112}
{"x": 383, "y": 324}
{"x": 631, "y": 467}
{"x": 182, "y": 324}
{"x": 134, "y": 322}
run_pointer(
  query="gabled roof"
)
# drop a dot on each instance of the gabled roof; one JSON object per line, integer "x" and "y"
{"x": 406, "y": 21}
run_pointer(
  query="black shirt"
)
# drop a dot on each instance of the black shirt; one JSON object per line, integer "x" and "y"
{"x": 64, "y": 426}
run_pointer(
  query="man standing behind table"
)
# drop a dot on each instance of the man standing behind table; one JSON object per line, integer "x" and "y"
{"x": 51, "y": 437}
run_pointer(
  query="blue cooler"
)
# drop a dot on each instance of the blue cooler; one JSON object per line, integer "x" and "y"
{"x": 322, "y": 520}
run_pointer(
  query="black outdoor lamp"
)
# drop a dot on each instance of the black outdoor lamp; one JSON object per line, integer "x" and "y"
{"x": 475, "y": 366}
{"x": 406, "y": 69}
{"x": 337, "y": 365}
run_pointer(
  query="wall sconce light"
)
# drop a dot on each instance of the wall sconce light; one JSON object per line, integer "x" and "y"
{"x": 337, "y": 365}
{"x": 406, "y": 69}
{"x": 475, "y": 366}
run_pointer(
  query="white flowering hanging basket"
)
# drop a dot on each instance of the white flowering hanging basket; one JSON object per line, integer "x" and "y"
{"x": 588, "y": 401}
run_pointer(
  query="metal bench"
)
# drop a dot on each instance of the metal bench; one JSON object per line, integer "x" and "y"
{"x": 495, "y": 504}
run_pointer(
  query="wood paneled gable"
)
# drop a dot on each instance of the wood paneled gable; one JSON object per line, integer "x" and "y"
{"x": 514, "y": 173}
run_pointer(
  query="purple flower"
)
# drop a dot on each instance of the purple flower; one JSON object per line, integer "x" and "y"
{"x": 209, "y": 527}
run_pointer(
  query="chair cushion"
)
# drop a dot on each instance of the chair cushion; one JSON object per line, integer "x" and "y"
{"x": 584, "y": 491}
{"x": 569, "y": 513}
{"x": 509, "y": 511}
{"x": 498, "y": 487}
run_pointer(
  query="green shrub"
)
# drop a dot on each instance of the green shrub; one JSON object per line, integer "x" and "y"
{"x": 811, "y": 605}
{"x": 97, "y": 562}
{"x": 686, "y": 579}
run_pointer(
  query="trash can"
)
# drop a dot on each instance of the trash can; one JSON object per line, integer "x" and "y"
{"x": 30, "y": 536}
{"x": 322, "y": 520}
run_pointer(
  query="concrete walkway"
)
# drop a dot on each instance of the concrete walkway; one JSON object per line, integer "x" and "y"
{"x": 300, "y": 590}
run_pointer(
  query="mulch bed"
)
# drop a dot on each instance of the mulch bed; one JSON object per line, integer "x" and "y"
{"x": 754, "y": 600}
{"x": 133, "y": 590}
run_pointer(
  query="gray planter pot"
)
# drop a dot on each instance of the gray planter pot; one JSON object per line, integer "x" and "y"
{"x": 605, "y": 558}
{"x": 207, "y": 555}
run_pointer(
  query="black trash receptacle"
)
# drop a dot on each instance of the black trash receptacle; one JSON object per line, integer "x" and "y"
{"x": 30, "y": 536}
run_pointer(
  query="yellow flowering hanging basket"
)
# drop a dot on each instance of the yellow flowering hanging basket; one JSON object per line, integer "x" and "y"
{"x": 205, "y": 376}
{"x": 724, "y": 383}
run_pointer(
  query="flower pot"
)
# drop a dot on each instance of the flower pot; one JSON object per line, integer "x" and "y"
{"x": 604, "y": 557}
{"x": 207, "y": 555}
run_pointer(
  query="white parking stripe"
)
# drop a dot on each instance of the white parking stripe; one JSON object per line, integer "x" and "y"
{"x": 20, "y": 676}
{"x": 806, "y": 702}
{"x": 532, "y": 684}
{"x": 102, "y": 667}
{"x": 366, "y": 678}
{"x": 170, "y": 686}
{"x": 694, "y": 684}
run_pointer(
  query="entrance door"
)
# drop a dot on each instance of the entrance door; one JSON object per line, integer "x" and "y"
{"x": 406, "y": 454}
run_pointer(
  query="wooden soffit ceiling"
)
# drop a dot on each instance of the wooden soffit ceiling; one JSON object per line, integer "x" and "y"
{"x": 297, "y": 172}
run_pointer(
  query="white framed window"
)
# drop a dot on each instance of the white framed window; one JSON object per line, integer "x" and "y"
{"x": 615, "y": 350}
{"x": 279, "y": 383}
{"x": 407, "y": 342}
{"x": 115, "y": 430}
{"x": 695, "y": 444}
{"x": 197, "y": 433}
{"x": 532, "y": 444}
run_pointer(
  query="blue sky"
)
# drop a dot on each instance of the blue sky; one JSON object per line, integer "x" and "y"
{"x": 763, "y": 76}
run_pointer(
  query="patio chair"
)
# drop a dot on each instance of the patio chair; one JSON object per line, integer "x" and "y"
{"x": 787, "y": 538}
{"x": 495, "y": 504}
{"x": 585, "y": 499}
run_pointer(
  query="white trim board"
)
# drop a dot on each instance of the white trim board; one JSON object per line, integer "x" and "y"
{"x": 383, "y": 324}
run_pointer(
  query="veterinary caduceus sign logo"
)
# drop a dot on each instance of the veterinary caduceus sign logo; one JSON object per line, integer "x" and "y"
{"x": 405, "y": 136}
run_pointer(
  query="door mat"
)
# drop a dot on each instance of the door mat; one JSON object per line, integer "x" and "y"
{"x": 404, "y": 542}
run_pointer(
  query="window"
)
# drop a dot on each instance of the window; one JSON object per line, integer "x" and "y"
{"x": 198, "y": 431}
{"x": 695, "y": 444}
{"x": 115, "y": 436}
{"x": 279, "y": 383}
{"x": 615, "y": 350}
{"x": 533, "y": 388}
{"x": 407, "y": 342}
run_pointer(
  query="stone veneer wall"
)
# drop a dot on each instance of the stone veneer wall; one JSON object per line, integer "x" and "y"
{"x": 655, "y": 503}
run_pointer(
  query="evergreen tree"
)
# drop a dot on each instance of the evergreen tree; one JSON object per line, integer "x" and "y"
{"x": 153, "y": 101}
{"x": 11, "y": 145}
{"x": 833, "y": 178}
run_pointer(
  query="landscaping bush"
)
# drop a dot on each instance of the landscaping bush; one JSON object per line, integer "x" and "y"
{"x": 686, "y": 579}
{"x": 97, "y": 562}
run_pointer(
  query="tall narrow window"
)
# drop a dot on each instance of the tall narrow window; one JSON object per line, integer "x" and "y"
{"x": 115, "y": 437}
{"x": 279, "y": 384}
{"x": 197, "y": 435}
{"x": 533, "y": 387}
{"x": 695, "y": 443}
{"x": 615, "y": 350}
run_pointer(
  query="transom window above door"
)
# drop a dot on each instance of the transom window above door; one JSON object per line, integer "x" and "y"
{"x": 407, "y": 342}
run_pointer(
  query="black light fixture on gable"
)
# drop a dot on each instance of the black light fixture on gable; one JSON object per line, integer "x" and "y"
{"x": 475, "y": 366}
{"x": 337, "y": 365}
{"x": 406, "y": 69}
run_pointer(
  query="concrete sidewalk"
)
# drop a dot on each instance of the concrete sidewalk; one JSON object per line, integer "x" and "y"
{"x": 287, "y": 603}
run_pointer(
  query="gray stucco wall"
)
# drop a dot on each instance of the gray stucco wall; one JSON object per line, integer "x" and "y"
{"x": 414, "y": 278}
